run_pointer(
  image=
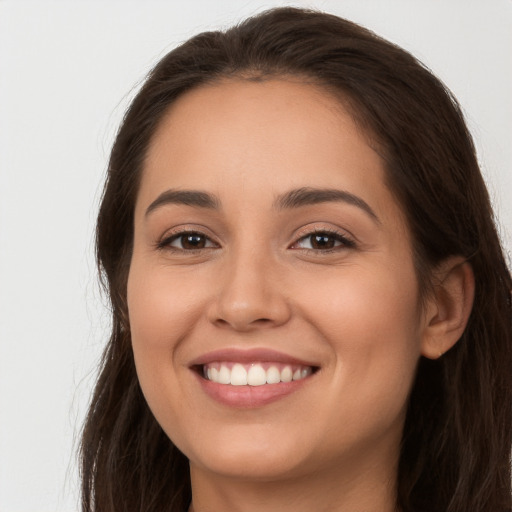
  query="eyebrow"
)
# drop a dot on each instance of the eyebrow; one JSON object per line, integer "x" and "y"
{"x": 194, "y": 198}
{"x": 306, "y": 196}
{"x": 295, "y": 198}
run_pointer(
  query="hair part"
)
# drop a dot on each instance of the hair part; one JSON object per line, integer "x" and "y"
{"x": 455, "y": 453}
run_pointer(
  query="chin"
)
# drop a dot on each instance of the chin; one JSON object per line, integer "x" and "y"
{"x": 249, "y": 457}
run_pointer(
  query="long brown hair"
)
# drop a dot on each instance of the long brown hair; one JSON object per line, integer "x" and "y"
{"x": 455, "y": 454}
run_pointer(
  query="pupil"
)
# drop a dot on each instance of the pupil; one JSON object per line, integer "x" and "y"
{"x": 323, "y": 242}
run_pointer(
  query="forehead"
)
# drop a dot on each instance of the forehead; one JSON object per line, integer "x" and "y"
{"x": 240, "y": 135}
{"x": 256, "y": 107}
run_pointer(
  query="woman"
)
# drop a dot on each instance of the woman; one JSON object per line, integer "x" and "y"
{"x": 311, "y": 308}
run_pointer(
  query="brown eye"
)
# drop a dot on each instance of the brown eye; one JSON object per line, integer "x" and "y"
{"x": 324, "y": 241}
{"x": 188, "y": 241}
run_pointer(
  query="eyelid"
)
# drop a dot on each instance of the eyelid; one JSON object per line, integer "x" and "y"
{"x": 173, "y": 234}
{"x": 347, "y": 240}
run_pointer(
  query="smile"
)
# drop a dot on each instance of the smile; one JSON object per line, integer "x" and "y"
{"x": 254, "y": 374}
{"x": 253, "y": 378}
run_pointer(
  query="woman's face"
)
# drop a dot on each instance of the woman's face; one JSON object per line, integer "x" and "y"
{"x": 269, "y": 250}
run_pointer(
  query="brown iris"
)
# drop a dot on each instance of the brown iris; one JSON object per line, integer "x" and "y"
{"x": 322, "y": 241}
{"x": 193, "y": 241}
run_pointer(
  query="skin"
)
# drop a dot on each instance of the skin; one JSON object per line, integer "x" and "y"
{"x": 353, "y": 311}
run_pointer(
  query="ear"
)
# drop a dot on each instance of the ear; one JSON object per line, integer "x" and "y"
{"x": 449, "y": 307}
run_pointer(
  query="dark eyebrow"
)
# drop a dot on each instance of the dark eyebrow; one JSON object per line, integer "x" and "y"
{"x": 186, "y": 197}
{"x": 307, "y": 196}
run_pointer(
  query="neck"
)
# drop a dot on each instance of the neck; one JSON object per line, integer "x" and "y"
{"x": 371, "y": 490}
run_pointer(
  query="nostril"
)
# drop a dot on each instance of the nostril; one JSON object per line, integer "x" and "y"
{"x": 242, "y": 324}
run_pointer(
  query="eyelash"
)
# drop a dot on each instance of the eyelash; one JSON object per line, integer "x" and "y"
{"x": 167, "y": 241}
{"x": 345, "y": 242}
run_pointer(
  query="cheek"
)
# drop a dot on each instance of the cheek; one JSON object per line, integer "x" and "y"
{"x": 372, "y": 324}
{"x": 162, "y": 307}
{"x": 361, "y": 298}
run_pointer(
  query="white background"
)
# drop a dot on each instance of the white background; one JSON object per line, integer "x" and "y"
{"x": 67, "y": 71}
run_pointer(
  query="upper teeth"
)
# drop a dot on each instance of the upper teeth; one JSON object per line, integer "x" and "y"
{"x": 254, "y": 374}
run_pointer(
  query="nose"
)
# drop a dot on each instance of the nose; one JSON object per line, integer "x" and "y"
{"x": 250, "y": 294}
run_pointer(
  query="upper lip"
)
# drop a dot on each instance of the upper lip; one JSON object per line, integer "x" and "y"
{"x": 236, "y": 355}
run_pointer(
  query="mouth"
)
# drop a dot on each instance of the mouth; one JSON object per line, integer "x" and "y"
{"x": 251, "y": 378}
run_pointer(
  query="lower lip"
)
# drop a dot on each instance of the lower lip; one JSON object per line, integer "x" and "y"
{"x": 248, "y": 397}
